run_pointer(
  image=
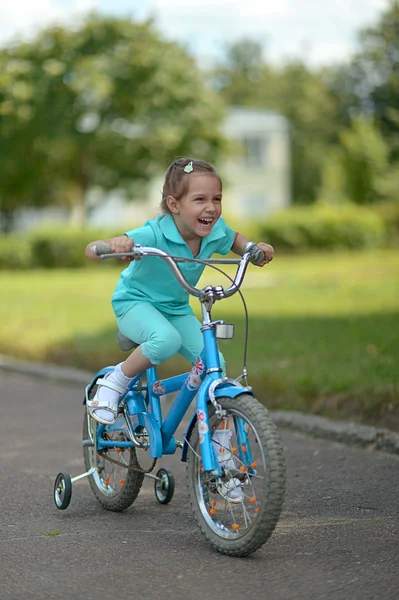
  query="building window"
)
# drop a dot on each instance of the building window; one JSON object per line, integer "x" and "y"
{"x": 254, "y": 151}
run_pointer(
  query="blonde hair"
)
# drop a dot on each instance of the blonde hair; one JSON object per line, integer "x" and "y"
{"x": 176, "y": 178}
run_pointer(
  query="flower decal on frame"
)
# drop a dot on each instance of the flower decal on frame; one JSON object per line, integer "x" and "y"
{"x": 194, "y": 379}
{"x": 158, "y": 388}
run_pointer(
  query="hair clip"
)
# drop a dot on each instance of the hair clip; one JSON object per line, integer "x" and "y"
{"x": 189, "y": 168}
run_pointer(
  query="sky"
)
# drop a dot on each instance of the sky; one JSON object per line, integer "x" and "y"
{"x": 318, "y": 31}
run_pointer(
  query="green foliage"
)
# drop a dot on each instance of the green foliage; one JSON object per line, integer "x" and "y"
{"x": 324, "y": 227}
{"x": 109, "y": 103}
{"x": 358, "y": 168}
{"x": 300, "y": 94}
{"x": 57, "y": 248}
{"x": 297, "y": 229}
{"x": 22, "y": 155}
{"x": 369, "y": 84}
{"x": 49, "y": 248}
{"x": 389, "y": 213}
{"x": 15, "y": 252}
{"x": 344, "y": 121}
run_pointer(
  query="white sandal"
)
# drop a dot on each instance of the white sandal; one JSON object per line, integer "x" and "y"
{"x": 96, "y": 403}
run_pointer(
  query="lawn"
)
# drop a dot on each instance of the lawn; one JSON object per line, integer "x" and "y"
{"x": 322, "y": 338}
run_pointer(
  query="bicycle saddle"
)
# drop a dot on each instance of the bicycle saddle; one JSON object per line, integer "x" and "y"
{"x": 125, "y": 343}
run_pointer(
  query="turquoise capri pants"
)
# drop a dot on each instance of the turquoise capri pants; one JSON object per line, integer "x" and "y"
{"x": 162, "y": 336}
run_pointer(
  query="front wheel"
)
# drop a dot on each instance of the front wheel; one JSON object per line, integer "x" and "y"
{"x": 238, "y": 511}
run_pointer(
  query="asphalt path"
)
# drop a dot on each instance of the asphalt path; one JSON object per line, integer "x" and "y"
{"x": 338, "y": 537}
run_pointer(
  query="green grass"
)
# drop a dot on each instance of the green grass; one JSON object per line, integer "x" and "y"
{"x": 323, "y": 329}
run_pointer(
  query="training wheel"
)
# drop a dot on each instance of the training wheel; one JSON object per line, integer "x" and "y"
{"x": 62, "y": 490}
{"x": 164, "y": 486}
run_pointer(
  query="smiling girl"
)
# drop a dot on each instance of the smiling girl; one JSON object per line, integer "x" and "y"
{"x": 150, "y": 306}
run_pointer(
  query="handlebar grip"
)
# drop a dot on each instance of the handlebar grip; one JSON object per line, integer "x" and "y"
{"x": 257, "y": 255}
{"x": 102, "y": 249}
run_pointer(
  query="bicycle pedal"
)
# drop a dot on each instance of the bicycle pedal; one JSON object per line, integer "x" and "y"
{"x": 87, "y": 443}
{"x": 236, "y": 474}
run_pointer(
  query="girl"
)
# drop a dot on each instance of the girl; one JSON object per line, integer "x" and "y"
{"x": 151, "y": 307}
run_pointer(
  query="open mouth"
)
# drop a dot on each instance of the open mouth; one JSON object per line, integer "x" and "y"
{"x": 206, "y": 221}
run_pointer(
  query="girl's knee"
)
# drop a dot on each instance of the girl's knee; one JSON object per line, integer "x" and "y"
{"x": 160, "y": 348}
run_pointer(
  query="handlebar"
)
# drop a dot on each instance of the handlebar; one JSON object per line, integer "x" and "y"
{"x": 251, "y": 254}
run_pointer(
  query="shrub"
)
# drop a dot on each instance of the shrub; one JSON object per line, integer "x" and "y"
{"x": 15, "y": 252}
{"x": 324, "y": 227}
{"x": 389, "y": 213}
{"x": 57, "y": 248}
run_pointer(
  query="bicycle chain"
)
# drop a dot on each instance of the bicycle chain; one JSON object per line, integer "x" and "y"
{"x": 120, "y": 464}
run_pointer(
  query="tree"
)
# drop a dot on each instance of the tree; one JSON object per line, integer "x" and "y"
{"x": 358, "y": 169}
{"x": 242, "y": 74}
{"x": 109, "y": 103}
{"x": 22, "y": 162}
{"x": 369, "y": 85}
{"x": 301, "y": 95}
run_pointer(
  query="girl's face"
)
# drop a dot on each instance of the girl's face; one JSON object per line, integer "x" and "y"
{"x": 198, "y": 210}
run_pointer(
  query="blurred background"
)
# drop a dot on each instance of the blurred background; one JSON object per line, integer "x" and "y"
{"x": 297, "y": 105}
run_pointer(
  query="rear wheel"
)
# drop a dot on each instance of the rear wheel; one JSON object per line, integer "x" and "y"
{"x": 115, "y": 487}
{"x": 238, "y": 512}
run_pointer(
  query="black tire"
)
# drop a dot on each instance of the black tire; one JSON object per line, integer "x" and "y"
{"x": 165, "y": 488}
{"x": 116, "y": 495}
{"x": 62, "y": 490}
{"x": 239, "y": 527}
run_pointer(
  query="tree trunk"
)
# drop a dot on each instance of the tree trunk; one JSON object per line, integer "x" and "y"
{"x": 6, "y": 221}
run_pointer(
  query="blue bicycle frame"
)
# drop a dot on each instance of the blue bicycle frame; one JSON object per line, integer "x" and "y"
{"x": 145, "y": 410}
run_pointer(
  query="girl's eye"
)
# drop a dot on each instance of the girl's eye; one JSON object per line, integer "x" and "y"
{"x": 199, "y": 199}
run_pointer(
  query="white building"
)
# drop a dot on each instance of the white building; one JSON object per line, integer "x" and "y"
{"x": 258, "y": 176}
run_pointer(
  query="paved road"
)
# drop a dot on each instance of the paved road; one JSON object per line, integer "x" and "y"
{"x": 338, "y": 537}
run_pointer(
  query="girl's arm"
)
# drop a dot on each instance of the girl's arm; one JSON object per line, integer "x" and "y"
{"x": 238, "y": 248}
{"x": 122, "y": 243}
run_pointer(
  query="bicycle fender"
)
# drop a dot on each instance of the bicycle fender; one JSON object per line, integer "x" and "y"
{"x": 231, "y": 391}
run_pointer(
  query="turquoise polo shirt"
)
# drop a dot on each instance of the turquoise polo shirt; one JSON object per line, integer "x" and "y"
{"x": 151, "y": 279}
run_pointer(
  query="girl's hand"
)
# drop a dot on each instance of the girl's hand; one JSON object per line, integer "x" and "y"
{"x": 268, "y": 251}
{"x": 121, "y": 244}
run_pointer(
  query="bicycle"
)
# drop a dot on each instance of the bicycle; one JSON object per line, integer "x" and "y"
{"x": 247, "y": 440}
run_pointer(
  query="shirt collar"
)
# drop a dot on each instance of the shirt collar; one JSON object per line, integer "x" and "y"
{"x": 170, "y": 231}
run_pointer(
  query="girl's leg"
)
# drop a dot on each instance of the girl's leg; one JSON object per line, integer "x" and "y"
{"x": 158, "y": 341}
{"x": 156, "y": 335}
{"x": 192, "y": 343}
